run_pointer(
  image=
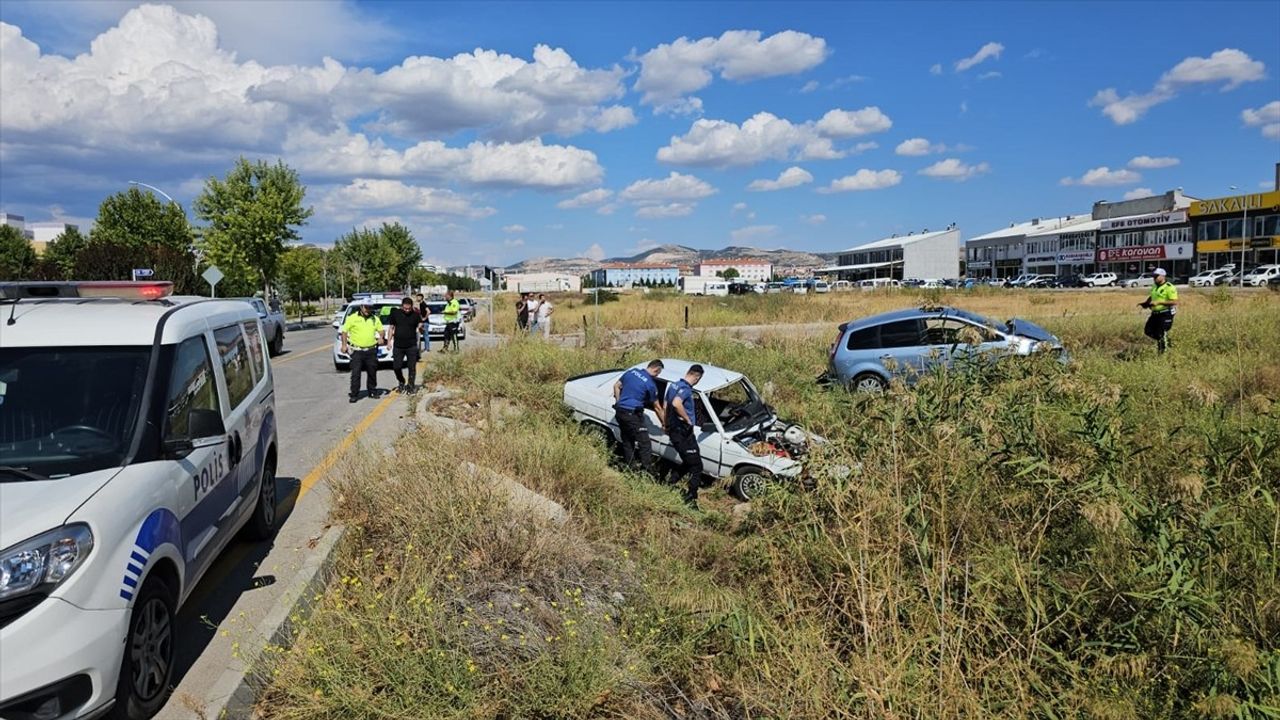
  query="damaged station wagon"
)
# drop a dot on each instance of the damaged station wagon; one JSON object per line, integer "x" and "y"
{"x": 742, "y": 440}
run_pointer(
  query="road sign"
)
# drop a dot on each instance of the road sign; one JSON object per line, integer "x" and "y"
{"x": 213, "y": 276}
{"x": 139, "y": 273}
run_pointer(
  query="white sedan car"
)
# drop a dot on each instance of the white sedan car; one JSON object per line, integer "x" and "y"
{"x": 741, "y": 438}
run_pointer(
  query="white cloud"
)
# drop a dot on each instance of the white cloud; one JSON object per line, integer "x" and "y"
{"x": 936, "y": 69}
{"x": 964, "y": 106}
{"x": 514, "y": 228}
{"x": 670, "y": 210}
{"x": 347, "y": 202}
{"x": 953, "y": 169}
{"x": 1146, "y": 162}
{"x": 918, "y": 146}
{"x": 810, "y": 86}
{"x": 1103, "y": 176}
{"x": 589, "y": 198}
{"x": 864, "y": 179}
{"x": 991, "y": 75}
{"x": 672, "y": 71}
{"x": 764, "y": 136}
{"x": 815, "y": 219}
{"x": 986, "y": 52}
{"x": 863, "y": 147}
{"x": 1229, "y": 66}
{"x": 738, "y": 207}
{"x": 607, "y": 209}
{"x": 789, "y": 178}
{"x": 513, "y": 242}
{"x": 753, "y": 232}
{"x": 847, "y": 124}
{"x": 1138, "y": 194}
{"x": 1267, "y": 117}
{"x": 595, "y": 252}
{"x": 674, "y": 187}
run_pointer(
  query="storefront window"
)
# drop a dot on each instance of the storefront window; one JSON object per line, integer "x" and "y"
{"x": 1211, "y": 230}
{"x": 1233, "y": 228}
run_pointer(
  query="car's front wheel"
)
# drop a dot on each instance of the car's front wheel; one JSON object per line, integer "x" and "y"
{"x": 144, "y": 682}
{"x": 277, "y": 344}
{"x": 869, "y": 383}
{"x": 749, "y": 483}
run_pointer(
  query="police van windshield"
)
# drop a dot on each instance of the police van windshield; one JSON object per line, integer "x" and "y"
{"x": 65, "y": 411}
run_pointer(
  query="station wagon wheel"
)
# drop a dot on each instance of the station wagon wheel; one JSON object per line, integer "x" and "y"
{"x": 749, "y": 483}
{"x": 869, "y": 383}
{"x": 601, "y": 432}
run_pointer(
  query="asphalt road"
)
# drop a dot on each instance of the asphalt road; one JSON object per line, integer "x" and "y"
{"x": 314, "y": 420}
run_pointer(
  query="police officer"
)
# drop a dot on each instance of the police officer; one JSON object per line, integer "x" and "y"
{"x": 681, "y": 425}
{"x": 452, "y": 316}
{"x": 632, "y": 393}
{"x": 1163, "y": 303}
{"x": 361, "y": 335}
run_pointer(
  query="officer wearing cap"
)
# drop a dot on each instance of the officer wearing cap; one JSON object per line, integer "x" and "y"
{"x": 682, "y": 422}
{"x": 632, "y": 393}
{"x": 1163, "y": 303}
{"x": 361, "y": 335}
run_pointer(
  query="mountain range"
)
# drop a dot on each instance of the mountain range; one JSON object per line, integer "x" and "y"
{"x": 783, "y": 260}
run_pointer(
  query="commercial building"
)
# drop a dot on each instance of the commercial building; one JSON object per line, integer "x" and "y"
{"x": 748, "y": 270}
{"x": 628, "y": 274}
{"x": 929, "y": 255}
{"x": 1240, "y": 229}
{"x": 543, "y": 282}
{"x": 1001, "y": 253}
{"x": 1064, "y": 250}
{"x": 43, "y": 233}
{"x": 1140, "y": 235}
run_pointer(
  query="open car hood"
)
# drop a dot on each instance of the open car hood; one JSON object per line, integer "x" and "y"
{"x": 1031, "y": 330}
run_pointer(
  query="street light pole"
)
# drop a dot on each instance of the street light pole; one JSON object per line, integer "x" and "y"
{"x": 1244, "y": 235}
{"x": 157, "y": 191}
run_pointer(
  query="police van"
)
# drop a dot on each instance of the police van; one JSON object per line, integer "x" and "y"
{"x": 137, "y": 438}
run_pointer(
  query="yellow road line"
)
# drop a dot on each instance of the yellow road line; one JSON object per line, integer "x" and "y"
{"x": 335, "y": 454}
{"x": 296, "y": 355}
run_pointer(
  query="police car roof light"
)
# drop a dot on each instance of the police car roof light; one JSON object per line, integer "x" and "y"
{"x": 125, "y": 290}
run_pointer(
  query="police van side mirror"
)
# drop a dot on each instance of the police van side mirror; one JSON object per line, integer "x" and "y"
{"x": 204, "y": 423}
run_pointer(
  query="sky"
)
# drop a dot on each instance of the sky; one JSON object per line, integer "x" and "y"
{"x": 499, "y": 132}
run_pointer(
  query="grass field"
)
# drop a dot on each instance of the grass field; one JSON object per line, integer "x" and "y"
{"x": 1020, "y": 541}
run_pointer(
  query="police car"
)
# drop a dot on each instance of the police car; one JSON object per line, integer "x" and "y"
{"x": 137, "y": 438}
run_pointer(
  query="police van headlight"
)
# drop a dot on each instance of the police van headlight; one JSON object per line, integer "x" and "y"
{"x": 44, "y": 561}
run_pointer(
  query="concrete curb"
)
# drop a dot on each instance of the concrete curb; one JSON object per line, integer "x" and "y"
{"x": 236, "y": 691}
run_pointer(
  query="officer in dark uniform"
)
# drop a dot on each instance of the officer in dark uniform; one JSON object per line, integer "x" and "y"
{"x": 632, "y": 393}
{"x": 682, "y": 425}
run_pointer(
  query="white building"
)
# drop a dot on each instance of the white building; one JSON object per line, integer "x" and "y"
{"x": 748, "y": 270}
{"x": 43, "y": 233}
{"x": 929, "y": 255}
{"x": 542, "y": 282}
{"x": 1062, "y": 250}
{"x": 1000, "y": 253}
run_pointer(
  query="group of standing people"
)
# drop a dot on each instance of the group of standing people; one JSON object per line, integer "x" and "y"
{"x": 677, "y": 413}
{"x": 533, "y": 314}
{"x": 408, "y": 333}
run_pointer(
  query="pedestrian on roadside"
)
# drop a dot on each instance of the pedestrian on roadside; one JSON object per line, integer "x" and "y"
{"x": 532, "y": 304}
{"x": 545, "y": 308}
{"x": 681, "y": 427}
{"x": 1163, "y": 304}
{"x": 522, "y": 312}
{"x": 425, "y": 313}
{"x": 406, "y": 334}
{"x": 632, "y": 393}
{"x": 452, "y": 320}
{"x": 361, "y": 336}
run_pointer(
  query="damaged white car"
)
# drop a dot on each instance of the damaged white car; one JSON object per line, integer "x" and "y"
{"x": 743, "y": 443}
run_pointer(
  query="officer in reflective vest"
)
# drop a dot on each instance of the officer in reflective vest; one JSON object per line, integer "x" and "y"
{"x": 452, "y": 317}
{"x": 632, "y": 393}
{"x": 682, "y": 425}
{"x": 361, "y": 335}
{"x": 1163, "y": 303}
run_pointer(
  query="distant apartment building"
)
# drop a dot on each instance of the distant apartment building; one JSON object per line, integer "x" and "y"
{"x": 750, "y": 270}
{"x": 43, "y": 233}
{"x": 927, "y": 255}
{"x": 540, "y": 282}
{"x": 628, "y": 274}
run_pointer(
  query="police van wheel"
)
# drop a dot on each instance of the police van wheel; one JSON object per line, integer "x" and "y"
{"x": 147, "y": 670}
{"x": 263, "y": 523}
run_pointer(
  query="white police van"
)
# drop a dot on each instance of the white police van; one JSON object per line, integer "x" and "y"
{"x": 137, "y": 437}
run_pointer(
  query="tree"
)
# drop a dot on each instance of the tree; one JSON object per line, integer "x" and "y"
{"x": 301, "y": 272}
{"x": 108, "y": 260}
{"x": 369, "y": 258}
{"x": 252, "y": 214}
{"x": 17, "y": 257}
{"x": 729, "y": 274}
{"x": 408, "y": 254}
{"x": 134, "y": 218}
{"x": 60, "y": 254}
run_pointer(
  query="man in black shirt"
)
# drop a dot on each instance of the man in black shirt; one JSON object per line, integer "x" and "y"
{"x": 406, "y": 333}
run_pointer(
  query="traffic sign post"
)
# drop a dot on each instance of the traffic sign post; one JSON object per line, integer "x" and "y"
{"x": 139, "y": 273}
{"x": 213, "y": 276}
